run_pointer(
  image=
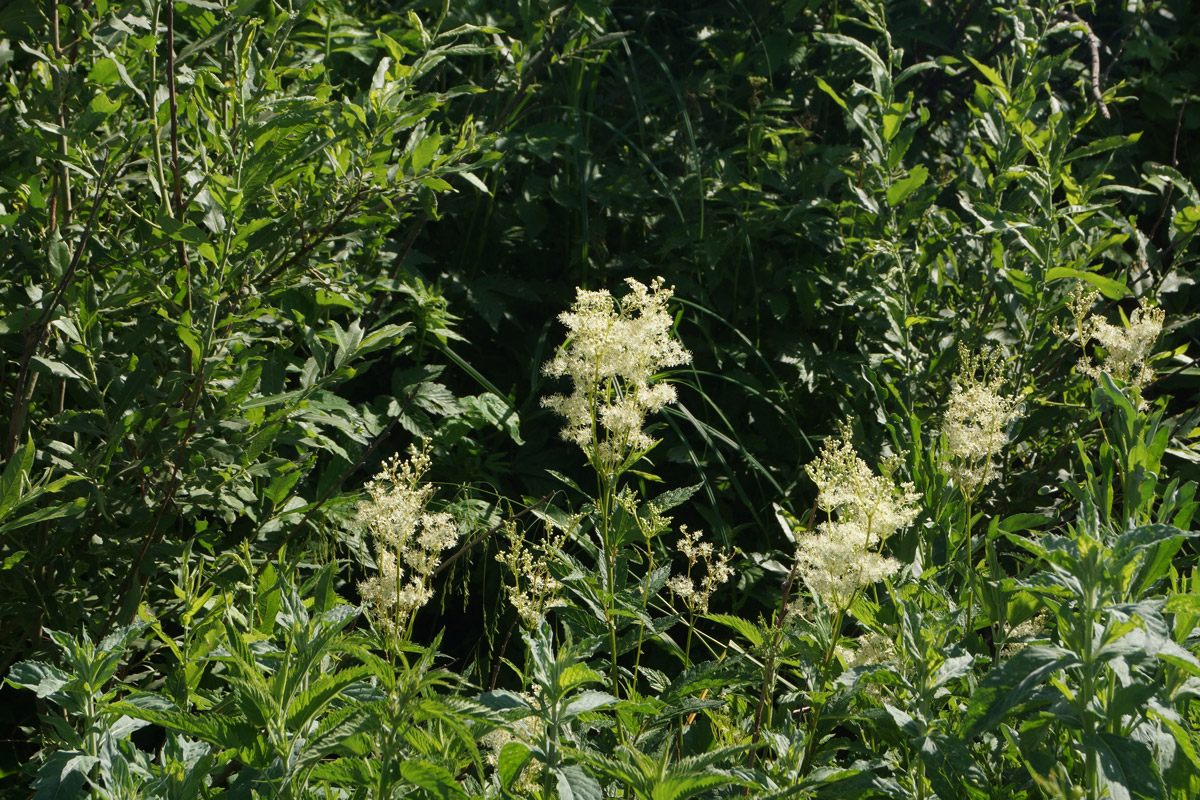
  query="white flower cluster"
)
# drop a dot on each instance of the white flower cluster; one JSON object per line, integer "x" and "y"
{"x": 613, "y": 351}
{"x": 977, "y": 420}
{"x": 409, "y": 541}
{"x": 842, "y": 556}
{"x": 716, "y": 571}
{"x": 534, "y": 590}
{"x": 870, "y": 648}
{"x": 1127, "y": 350}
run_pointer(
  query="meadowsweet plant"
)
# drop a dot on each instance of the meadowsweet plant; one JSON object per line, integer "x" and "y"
{"x": 1127, "y": 349}
{"x": 695, "y": 593}
{"x": 409, "y": 541}
{"x": 843, "y": 555}
{"x": 615, "y": 350}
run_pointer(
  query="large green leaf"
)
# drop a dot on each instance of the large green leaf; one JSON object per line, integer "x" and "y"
{"x": 1012, "y": 683}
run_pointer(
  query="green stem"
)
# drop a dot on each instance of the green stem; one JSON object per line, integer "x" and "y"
{"x": 810, "y": 746}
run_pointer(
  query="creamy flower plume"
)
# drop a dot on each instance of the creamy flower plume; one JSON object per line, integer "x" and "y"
{"x": 842, "y": 556}
{"x": 409, "y": 541}
{"x": 1127, "y": 350}
{"x": 613, "y": 351}
{"x": 977, "y": 420}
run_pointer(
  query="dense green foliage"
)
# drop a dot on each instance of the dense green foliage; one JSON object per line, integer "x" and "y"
{"x": 253, "y": 250}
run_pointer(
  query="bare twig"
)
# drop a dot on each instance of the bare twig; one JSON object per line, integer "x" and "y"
{"x": 1094, "y": 46}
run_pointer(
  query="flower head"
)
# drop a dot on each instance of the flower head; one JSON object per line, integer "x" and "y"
{"x": 1127, "y": 349}
{"x": 409, "y": 541}
{"x": 613, "y": 351}
{"x": 842, "y": 556}
{"x": 535, "y": 589}
{"x": 977, "y": 420}
{"x": 696, "y": 594}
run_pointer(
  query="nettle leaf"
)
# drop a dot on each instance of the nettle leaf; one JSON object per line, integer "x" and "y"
{"x": 62, "y": 775}
{"x": 574, "y": 783}
{"x": 588, "y": 701}
{"x": 16, "y": 472}
{"x": 748, "y": 630}
{"x": 223, "y": 731}
{"x": 512, "y": 759}
{"x": 433, "y": 779}
{"x": 1127, "y": 766}
{"x": 1011, "y": 684}
{"x": 43, "y": 679}
{"x": 503, "y": 700}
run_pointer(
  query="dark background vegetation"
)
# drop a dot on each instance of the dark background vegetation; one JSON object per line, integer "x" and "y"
{"x": 700, "y": 141}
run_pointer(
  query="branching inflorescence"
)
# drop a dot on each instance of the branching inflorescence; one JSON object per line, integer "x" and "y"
{"x": 614, "y": 350}
{"x": 843, "y": 556}
{"x": 409, "y": 541}
{"x": 1127, "y": 350}
{"x": 978, "y": 417}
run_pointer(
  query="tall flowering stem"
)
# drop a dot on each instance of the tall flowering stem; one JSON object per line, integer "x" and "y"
{"x": 1127, "y": 349}
{"x": 975, "y": 431}
{"x": 615, "y": 350}
{"x": 843, "y": 556}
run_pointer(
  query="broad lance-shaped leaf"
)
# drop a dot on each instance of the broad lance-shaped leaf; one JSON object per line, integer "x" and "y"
{"x": 574, "y": 783}
{"x": 1129, "y": 544}
{"x": 1011, "y": 683}
{"x": 503, "y": 700}
{"x": 1127, "y": 767}
{"x": 588, "y": 701}
{"x": 16, "y": 471}
{"x": 215, "y": 729}
{"x": 358, "y": 721}
{"x": 512, "y": 759}
{"x": 62, "y": 774}
{"x": 44, "y": 679}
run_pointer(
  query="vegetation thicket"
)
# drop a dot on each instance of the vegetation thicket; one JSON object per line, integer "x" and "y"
{"x": 576, "y": 399}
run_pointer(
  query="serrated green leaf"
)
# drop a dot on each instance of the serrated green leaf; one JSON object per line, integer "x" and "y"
{"x": 432, "y": 778}
{"x": 43, "y": 679}
{"x": 16, "y": 473}
{"x": 899, "y": 191}
{"x": 1127, "y": 766}
{"x": 62, "y": 775}
{"x": 574, "y": 783}
{"x": 1010, "y": 684}
{"x": 748, "y": 630}
{"x": 588, "y": 701}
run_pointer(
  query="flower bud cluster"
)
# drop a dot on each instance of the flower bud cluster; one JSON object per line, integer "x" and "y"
{"x": 408, "y": 539}
{"x": 535, "y": 589}
{"x": 613, "y": 351}
{"x": 696, "y": 594}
